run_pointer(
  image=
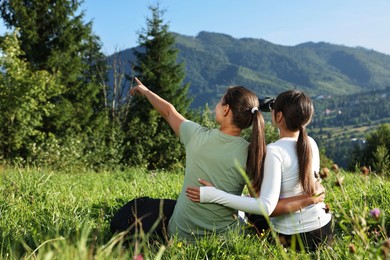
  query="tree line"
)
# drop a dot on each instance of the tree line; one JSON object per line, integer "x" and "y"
{"x": 363, "y": 108}
{"x": 59, "y": 108}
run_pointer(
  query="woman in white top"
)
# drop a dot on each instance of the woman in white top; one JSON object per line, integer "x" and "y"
{"x": 289, "y": 170}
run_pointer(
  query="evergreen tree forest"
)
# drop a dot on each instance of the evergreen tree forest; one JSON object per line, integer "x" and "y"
{"x": 65, "y": 104}
{"x": 58, "y": 109}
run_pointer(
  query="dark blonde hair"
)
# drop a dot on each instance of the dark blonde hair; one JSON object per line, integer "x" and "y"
{"x": 297, "y": 110}
{"x": 244, "y": 104}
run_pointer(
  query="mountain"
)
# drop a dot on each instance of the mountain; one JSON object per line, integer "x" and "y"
{"x": 350, "y": 86}
{"x": 214, "y": 61}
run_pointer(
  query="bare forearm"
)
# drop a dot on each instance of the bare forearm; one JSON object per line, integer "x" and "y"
{"x": 292, "y": 204}
{"x": 166, "y": 110}
{"x": 163, "y": 107}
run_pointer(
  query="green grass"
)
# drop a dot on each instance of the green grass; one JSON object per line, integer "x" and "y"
{"x": 66, "y": 215}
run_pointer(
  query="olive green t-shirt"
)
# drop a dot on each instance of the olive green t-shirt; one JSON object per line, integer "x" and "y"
{"x": 213, "y": 156}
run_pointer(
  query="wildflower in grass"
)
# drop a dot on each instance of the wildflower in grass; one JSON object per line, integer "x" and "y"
{"x": 386, "y": 248}
{"x": 335, "y": 168}
{"x": 387, "y": 244}
{"x": 179, "y": 245}
{"x": 324, "y": 173}
{"x": 352, "y": 248}
{"x": 375, "y": 213}
{"x": 138, "y": 257}
{"x": 365, "y": 170}
{"x": 339, "y": 181}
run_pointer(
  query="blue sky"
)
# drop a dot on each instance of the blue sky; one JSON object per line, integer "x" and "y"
{"x": 287, "y": 22}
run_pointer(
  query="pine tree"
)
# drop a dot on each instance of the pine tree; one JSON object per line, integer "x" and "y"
{"x": 376, "y": 151}
{"x": 54, "y": 38}
{"x": 151, "y": 141}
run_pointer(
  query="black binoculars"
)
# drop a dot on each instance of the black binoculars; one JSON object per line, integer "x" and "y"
{"x": 266, "y": 104}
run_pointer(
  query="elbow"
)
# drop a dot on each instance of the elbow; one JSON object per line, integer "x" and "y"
{"x": 264, "y": 209}
{"x": 268, "y": 211}
{"x": 170, "y": 110}
{"x": 275, "y": 212}
{"x": 268, "y": 207}
{"x": 167, "y": 111}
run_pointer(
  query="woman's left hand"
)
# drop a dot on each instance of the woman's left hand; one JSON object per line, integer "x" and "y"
{"x": 193, "y": 193}
{"x": 319, "y": 193}
{"x": 138, "y": 88}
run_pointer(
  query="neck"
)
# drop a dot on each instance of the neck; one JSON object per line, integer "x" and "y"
{"x": 230, "y": 130}
{"x": 287, "y": 133}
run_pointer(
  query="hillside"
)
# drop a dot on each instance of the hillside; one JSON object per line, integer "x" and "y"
{"x": 214, "y": 61}
{"x": 341, "y": 123}
{"x": 349, "y": 86}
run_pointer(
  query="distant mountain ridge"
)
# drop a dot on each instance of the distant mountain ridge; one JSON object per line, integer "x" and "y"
{"x": 214, "y": 61}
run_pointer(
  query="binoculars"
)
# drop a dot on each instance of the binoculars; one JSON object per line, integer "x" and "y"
{"x": 266, "y": 104}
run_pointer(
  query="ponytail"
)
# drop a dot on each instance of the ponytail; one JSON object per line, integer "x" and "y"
{"x": 256, "y": 152}
{"x": 297, "y": 110}
{"x": 305, "y": 158}
{"x": 244, "y": 104}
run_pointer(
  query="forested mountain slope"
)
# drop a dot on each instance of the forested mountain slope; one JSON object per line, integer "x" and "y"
{"x": 349, "y": 86}
{"x": 213, "y": 61}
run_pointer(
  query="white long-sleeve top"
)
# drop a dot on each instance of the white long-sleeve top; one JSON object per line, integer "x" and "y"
{"x": 281, "y": 180}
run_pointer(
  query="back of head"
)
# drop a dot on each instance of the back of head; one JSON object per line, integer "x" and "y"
{"x": 241, "y": 101}
{"x": 244, "y": 104}
{"x": 296, "y": 107}
{"x": 297, "y": 110}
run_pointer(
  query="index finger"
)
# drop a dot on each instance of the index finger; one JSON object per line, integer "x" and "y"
{"x": 137, "y": 81}
{"x": 193, "y": 190}
{"x": 205, "y": 183}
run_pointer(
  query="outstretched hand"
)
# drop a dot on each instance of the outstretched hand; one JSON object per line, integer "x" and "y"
{"x": 193, "y": 193}
{"x": 319, "y": 193}
{"x": 138, "y": 88}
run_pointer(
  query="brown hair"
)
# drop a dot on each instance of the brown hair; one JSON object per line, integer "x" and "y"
{"x": 244, "y": 104}
{"x": 297, "y": 110}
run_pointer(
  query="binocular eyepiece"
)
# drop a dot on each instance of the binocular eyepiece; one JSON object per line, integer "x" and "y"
{"x": 266, "y": 104}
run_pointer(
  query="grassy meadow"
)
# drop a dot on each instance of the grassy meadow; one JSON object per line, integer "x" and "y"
{"x": 65, "y": 215}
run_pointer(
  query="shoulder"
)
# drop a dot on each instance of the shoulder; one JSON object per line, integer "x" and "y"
{"x": 313, "y": 143}
{"x": 274, "y": 150}
{"x": 311, "y": 139}
{"x": 274, "y": 147}
{"x": 188, "y": 129}
{"x": 282, "y": 148}
{"x": 189, "y": 125}
{"x": 282, "y": 144}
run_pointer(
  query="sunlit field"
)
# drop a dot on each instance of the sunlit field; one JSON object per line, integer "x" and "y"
{"x": 66, "y": 215}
